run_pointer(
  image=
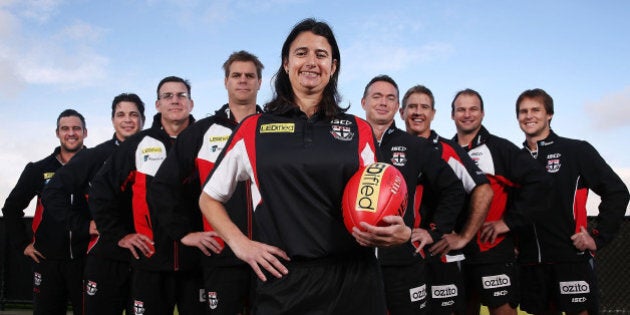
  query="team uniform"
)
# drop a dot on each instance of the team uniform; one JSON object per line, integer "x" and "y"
{"x": 518, "y": 185}
{"x": 104, "y": 292}
{"x": 170, "y": 276}
{"x": 298, "y": 167}
{"x": 403, "y": 270}
{"x": 550, "y": 262}
{"x": 175, "y": 194}
{"x": 50, "y": 276}
{"x": 444, "y": 272}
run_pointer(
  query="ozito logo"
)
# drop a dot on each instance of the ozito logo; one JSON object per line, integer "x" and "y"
{"x": 497, "y": 281}
{"x": 574, "y": 287}
{"x": 418, "y": 293}
{"x": 443, "y": 291}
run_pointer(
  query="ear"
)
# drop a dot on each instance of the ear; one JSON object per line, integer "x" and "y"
{"x": 285, "y": 65}
{"x": 225, "y": 80}
{"x": 333, "y": 67}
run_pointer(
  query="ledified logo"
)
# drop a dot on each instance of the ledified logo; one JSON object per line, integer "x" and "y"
{"x": 369, "y": 187}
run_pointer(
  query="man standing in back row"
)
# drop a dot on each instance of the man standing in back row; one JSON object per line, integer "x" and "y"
{"x": 403, "y": 266}
{"x": 519, "y": 188}
{"x": 177, "y": 186}
{"x": 56, "y": 275}
{"x": 164, "y": 273}
{"x": 557, "y": 251}
{"x": 444, "y": 265}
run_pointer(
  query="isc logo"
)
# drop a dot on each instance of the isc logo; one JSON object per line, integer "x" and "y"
{"x": 574, "y": 287}
{"x": 497, "y": 281}
{"x": 500, "y": 293}
{"x": 578, "y": 300}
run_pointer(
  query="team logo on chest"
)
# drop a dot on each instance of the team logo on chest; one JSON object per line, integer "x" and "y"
{"x": 341, "y": 130}
{"x": 90, "y": 287}
{"x": 553, "y": 162}
{"x": 399, "y": 157}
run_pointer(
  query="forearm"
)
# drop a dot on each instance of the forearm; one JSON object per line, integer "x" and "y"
{"x": 478, "y": 210}
{"x": 218, "y": 217}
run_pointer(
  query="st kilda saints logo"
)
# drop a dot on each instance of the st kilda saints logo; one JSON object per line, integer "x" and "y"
{"x": 37, "y": 279}
{"x": 553, "y": 162}
{"x": 399, "y": 158}
{"x": 138, "y": 307}
{"x": 90, "y": 287}
{"x": 213, "y": 301}
{"x": 340, "y": 129}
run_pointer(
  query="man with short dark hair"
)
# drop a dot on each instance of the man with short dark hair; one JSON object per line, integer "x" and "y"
{"x": 177, "y": 186}
{"x": 55, "y": 278}
{"x": 557, "y": 250}
{"x": 106, "y": 280}
{"x": 519, "y": 185}
{"x": 403, "y": 266}
{"x": 444, "y": 266}
{"x": 164, "y": 272}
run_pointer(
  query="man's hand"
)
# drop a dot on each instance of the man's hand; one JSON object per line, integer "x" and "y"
{"x": 395, "y": 233}
{"x": 204, "y": 241}
{"x": 420, "y": 238}
{"x": 30, "y": 251}
{"x": 449, "y": 242}
{"x": 490, "y": 230}
{"x": 583, "y": 241}
{"x": 93, "y": 230}
{"x": 137, "y": 241}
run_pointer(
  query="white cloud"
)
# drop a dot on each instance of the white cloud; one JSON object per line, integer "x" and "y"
{"x": 610, "y": 111}
{"x": 363, "y": 58}
{"x": 64, "y": 56}
{"x": 39, "y": 10}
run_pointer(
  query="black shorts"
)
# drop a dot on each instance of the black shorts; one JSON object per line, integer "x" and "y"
{"x": 228, "y": 289}
{"x": 158, "y": 292}
{"x": 446, "y": 285}
{"x": 405, "y": 288}
{"x": 495, "y": 284}
{"x": 567, "y": 287}
{"x": 54, "y": 283}
{"x": 324, "y": 286}
{"x": 107, "y": 284}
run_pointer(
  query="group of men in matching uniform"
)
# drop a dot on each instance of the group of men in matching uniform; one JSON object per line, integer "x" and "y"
{"x": 118, "y": 227}
{"x": 520, "y": 236}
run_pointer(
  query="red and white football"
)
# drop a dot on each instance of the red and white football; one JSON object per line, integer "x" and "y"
{"x": 373, "y": 192}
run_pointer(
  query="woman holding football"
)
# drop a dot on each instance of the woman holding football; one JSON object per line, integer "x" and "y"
{"x": 299, "y": 156}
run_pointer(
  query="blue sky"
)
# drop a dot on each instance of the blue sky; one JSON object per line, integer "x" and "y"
{"x": 80, "y": 54}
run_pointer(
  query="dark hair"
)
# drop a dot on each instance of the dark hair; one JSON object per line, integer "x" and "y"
{"x": 173, "y": 79}
{"x": 283, "y": 95}
{"x": 128, "y": 97}
{"x": 70, "y": 113}
{"x": 420, "y": 89}
{"x": 243, "y": 56}
{"x": 466, "y": 92}
{"x": 539, "y": 95}
{"x": 381, "y": 78}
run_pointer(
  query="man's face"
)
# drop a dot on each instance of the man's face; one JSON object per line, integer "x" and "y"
{"x": 174, "y": 103}
{"x": 467, "y": 114}
{"x": 534, "y": 119}
{"x": 418, "y": 114}
{"x": 242, "y": 83}
{"x": 380, "y": 103}
{"x": 71, "y": 133}
{"x": 127, "y": 120}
